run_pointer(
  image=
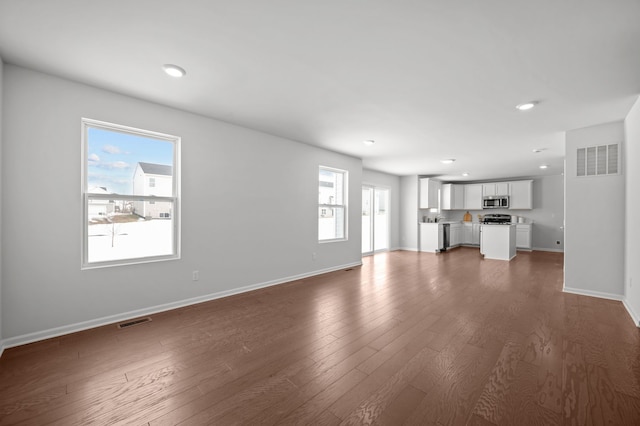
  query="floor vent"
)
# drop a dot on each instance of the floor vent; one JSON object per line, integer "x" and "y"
{"x": 133, "y": 322}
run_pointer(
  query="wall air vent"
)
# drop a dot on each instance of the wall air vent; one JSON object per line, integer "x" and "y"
{"x": 598, "y": 160}
{"x": 134, "y": 322}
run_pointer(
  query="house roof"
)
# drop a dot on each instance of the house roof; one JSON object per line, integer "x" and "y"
{"x": 155, "y": 169}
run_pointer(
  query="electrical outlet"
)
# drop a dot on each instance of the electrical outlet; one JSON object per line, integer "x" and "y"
{"x": 557, "y": 242}
{"x": 314, "y": 256}
{"x": 196, "y": 275}
{"x": 630, "y": 282}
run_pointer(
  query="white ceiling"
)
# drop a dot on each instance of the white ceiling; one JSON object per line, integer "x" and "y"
{"x": 426, "y": 79}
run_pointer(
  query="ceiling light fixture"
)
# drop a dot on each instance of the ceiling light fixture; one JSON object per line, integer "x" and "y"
{"x": 526, "y": 106}
{"x": 369, "y": 142}
{"x": 448, "y": 160}
{"x": 537, "y": 150}
{"x": 544, "y": 166}
{"x": 174, "y": 70}
{"x": 465, "y": 174}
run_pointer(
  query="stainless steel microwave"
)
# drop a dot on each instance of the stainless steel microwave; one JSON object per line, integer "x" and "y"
{"x": 495, "y": 202}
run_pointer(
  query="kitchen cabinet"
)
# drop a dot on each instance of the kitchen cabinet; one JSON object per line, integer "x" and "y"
{"x": 521, "y": 195}
{"x": 455, "y": 238}
{"x": 431, "y": 237}
{"x": 495, "y": 188}
{"x": 473, "y": 196}
{"x": 475, "y": 236}
{"x": 429, "y": 191}
{"x": 523, "y": 236}
{"x": 498, "y": 242}
{"x": 452, "y": 196}
{"x": 471, "y": 233}
{"x": 467, "y": 233}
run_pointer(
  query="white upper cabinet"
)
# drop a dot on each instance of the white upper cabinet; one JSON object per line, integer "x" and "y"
{"x": 429, "y": 189}
{"x": 521, "y": 195}
{"x": 495, "y": 188}
{"x": 452, "y": 196}
{"x": 473, "y": 196}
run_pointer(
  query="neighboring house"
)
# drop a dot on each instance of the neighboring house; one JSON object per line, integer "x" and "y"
{"x": 100, "y": 208}
{"x": 152, "y": 179}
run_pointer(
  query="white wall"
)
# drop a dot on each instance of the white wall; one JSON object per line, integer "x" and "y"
{"x": 249, "y": 210}
{"x": 391, "y": 182}
{"x": 547, "y": 214}
{"x": 1, "y": 191}
{"x": 594, "y": 213}
{"x": 632, "y": 192}
{"x": 409, "y": 213}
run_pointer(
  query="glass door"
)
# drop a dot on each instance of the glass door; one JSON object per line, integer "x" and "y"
{"x": 367, "y": 220}
{"x": 375, "y": 219}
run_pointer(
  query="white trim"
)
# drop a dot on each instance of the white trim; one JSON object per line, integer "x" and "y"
{"x": 343, "y": 206}
{"x": 85, "y": 325}
{"x": 407, "y": 248}
{"x": 548, "y": 249}
{"x": 1, "y": 347}
{"x": 593, "y": 293}
{"x": 633, "y": 314}
{"x": 176, "y": 141}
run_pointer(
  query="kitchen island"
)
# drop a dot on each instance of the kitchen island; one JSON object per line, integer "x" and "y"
{"x": 498, "y": 241}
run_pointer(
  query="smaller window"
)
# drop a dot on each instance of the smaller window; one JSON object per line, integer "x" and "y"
{"x": 152, "y": 182}
{"x": 332, "y": 204}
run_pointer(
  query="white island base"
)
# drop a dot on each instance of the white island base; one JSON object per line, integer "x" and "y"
{"x": 498, "y": 241}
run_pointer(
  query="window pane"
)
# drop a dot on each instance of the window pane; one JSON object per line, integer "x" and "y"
{"x": 117, "y": 231}
{"x": 126, "y": 163}
{"x": 331, "y": 223}
{"x": 331, "y": 189}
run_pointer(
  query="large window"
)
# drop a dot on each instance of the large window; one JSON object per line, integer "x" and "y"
{"x": 332, "y": 204}
{"x": 130, "y": 188}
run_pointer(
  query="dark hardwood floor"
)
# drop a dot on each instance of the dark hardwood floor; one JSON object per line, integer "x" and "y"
{"x": 408, "y": 338}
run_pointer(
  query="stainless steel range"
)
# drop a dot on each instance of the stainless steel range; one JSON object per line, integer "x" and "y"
{"x": 496, "y": 219}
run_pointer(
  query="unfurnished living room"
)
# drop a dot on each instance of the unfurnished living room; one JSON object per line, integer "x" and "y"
{"x": 319, "y": 212}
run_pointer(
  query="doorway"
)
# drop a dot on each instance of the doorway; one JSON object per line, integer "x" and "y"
{"x": 375, "y": 219}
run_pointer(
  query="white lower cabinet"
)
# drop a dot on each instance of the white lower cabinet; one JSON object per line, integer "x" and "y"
{"x": 467, "y": 233}
{"x": 523, "y": 236}
{"x": 431, "y": 237}
{"x": 455, "y": 239}
{"x": 476, "y": 234}
{"x": 471, "y": 233}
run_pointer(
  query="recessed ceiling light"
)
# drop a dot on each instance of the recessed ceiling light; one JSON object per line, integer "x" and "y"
{"x": 448, "y": 160}
{"x": 537, "y": 150}
{"x": 369, "y": 142}
{"x": 465, "y": 174}
{"x": 544, "y": 166}
{"x": 174, "y": 70}
{"x": 526, "y": 106}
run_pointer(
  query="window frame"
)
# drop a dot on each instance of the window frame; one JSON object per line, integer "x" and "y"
{"x": 87, "y": 123}
{"x": 343, "y": 206}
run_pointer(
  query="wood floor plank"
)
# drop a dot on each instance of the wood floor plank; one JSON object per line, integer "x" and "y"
{"x": 408, "y": 338}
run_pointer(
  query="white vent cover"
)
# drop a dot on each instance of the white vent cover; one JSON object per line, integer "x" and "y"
{"x": 598, "y": 160}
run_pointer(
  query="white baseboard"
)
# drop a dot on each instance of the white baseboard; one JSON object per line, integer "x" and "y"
{"x": 98, "y": 322}
{"x": 408, "y": 248}
{"x": 593, "y": 293}
{"x": 548, "y": 249}
{"x": 633, "y": 314}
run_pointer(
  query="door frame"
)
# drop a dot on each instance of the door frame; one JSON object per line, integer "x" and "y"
{"x": 375, "y": 187}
